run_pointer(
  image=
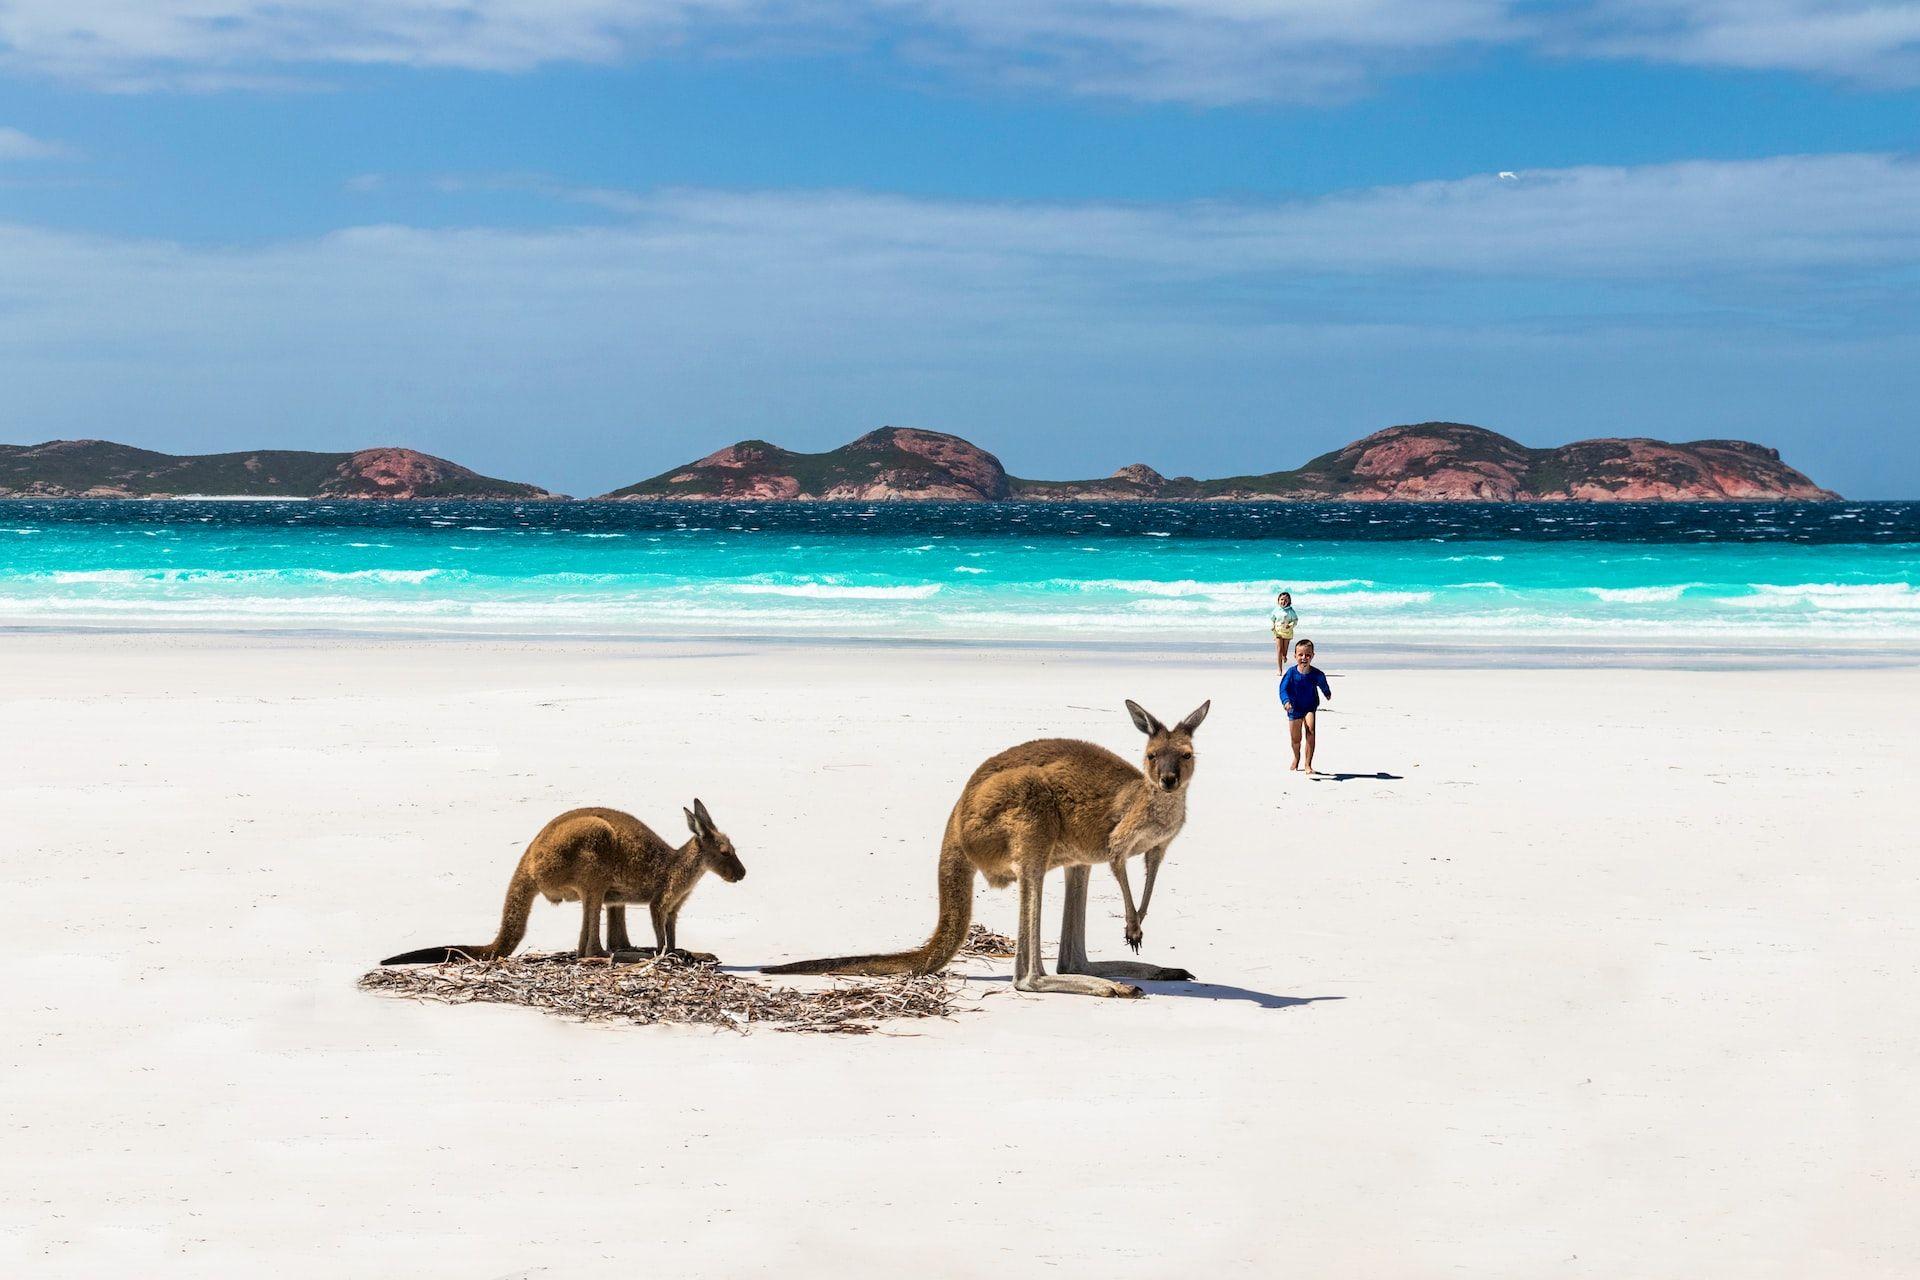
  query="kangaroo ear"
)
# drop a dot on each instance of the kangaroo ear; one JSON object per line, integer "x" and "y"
{"x": 1143, "y": 719}
{"x": 700, "y": 812}
{"x": 1194, "y": 718}
{"x": 693, "y": 823}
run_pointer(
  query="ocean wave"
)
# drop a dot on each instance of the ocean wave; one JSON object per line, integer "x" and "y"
{"x": 1834, "y": 596}
{"x": 1640, "y": 595}
{"x": 377, "y": 575}
{"x": 1262, "y": 589}
{"x": 828, "y": 591}
{"x": 1165, "y": 605}
{"x": 1338, "y": 605}
{"x": 151, "y": 577}
{"x": 1159, "y": 587}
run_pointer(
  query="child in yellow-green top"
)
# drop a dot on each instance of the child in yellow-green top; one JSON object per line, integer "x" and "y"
{"x": 1284, "y": 620}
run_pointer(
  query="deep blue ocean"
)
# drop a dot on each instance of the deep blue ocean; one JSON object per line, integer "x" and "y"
{"x": 1714, "y": 574}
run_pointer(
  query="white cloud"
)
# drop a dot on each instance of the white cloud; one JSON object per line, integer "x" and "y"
{"x": 1200, "y": 51}
{"x": 1874, "y": 42}
{"x": 1801, "y": 232}
{"x": 15, "y": 145}
{"x": 1696, "y": 220}
{"x": 1776, "y": 289}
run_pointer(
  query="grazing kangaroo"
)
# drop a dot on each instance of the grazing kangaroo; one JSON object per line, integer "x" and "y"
{"x": 1052, "y": 803}
{"x": 603, "y": 857}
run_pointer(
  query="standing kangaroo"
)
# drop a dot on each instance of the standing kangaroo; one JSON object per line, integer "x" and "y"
{"x": 1052, "y": 803}
{"x": 603, "y": 857}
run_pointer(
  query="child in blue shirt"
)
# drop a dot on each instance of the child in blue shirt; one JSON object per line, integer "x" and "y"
{"x": 1301, "y": 689}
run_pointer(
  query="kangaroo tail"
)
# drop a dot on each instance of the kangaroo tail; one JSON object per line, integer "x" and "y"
{"x": 441, "y": 955}
{"x": 513, "y": 927}
{"x": 956, "y": 913}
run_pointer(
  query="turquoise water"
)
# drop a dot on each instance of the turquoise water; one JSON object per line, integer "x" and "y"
{"x": 1120, "y": 572}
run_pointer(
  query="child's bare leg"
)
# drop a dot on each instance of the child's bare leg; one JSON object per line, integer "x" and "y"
{"x": 1281, "y": 653}
{"x": 1293, "y": 735}
{"x": 1307, "y": 720}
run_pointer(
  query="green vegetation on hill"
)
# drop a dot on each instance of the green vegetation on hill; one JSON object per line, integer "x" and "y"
{"x": 862, "y": 462}
{"x": 79, "y": 467}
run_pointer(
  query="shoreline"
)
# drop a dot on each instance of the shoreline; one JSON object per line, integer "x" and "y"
{"x": 1373, "y": 654}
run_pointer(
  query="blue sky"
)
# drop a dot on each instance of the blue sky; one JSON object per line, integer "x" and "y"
{"x": 580, "y": 241}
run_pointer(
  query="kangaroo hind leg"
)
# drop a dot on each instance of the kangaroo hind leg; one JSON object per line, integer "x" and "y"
{"x": 617, "y": 939}
{"x": 590, "y": 902}
{"x": 673, "y": 931}
{"x": 619, "y": 945}
{"x": 1029, "y": 971}
{"x": 1073, "y": 942}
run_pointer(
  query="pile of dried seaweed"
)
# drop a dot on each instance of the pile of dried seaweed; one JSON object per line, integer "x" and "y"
{"x": 984, "y": 943}
{"x": 667, "y": 990}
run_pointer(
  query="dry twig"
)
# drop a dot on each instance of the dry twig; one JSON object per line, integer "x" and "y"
{"x": 667, "y": 990}
{"x": 983, "y": 943}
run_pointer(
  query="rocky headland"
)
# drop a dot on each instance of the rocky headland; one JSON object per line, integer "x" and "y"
{"x": 103, "y": 469}
{"x": 1431, "y": 461}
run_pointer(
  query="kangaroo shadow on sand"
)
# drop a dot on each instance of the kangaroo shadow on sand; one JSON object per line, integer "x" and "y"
{"x": 1197, "y": 990}
{"x": 1381, "y": 776}
{"x": 1193, "y": 990}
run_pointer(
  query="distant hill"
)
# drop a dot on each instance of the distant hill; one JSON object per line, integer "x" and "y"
{"x": 1431, "y": 461}
{"x": 103, "y": 469}
{"x": 893, "y": 462}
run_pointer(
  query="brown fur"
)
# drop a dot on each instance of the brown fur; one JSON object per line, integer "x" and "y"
{"x": 603, "y": 857}
{"x": 1052, "y": 803}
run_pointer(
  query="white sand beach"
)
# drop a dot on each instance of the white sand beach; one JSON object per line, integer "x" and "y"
{"x": 1605, "y": 972}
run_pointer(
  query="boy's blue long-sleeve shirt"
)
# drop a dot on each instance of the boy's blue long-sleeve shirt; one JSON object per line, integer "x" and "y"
{"x": 1301, "y": 691}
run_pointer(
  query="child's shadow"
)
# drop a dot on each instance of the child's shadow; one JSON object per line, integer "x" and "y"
{"x": 1381, "y": 776}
